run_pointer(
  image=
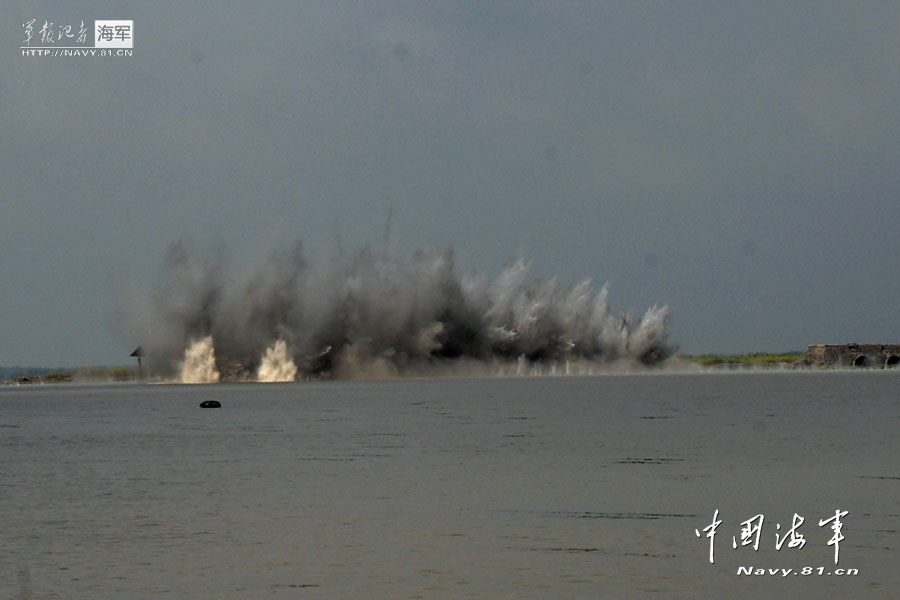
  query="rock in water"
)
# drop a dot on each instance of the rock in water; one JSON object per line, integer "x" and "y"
{"x": 210, "y": 404}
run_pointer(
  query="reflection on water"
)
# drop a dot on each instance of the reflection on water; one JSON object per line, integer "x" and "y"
{"x": 536, "y": 488}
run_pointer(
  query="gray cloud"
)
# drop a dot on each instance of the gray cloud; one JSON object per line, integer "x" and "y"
{"x": 677, "y": 131}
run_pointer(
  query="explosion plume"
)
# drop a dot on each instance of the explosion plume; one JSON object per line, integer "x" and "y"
{"x": 376, "y": 315}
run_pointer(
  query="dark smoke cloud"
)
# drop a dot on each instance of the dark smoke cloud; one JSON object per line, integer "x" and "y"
{"x": 355, "y": 316}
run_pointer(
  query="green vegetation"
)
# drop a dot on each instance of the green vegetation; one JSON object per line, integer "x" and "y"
{"x": 105, "y": 374}
{"x": 86, "y": 374}
{"x": 56, "y": 377}
{"x": 757, "y": 359}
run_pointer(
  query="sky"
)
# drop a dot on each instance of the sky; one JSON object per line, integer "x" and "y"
{"x": 738, "y": 162}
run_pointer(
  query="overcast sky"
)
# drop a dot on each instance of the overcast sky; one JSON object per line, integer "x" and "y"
{"x": 738, "y": 161}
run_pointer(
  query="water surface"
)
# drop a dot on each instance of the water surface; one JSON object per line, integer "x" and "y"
{"x": 504, "y": 488}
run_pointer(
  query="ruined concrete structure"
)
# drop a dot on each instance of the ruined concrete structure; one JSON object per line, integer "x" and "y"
{"x": 871, "y": 356}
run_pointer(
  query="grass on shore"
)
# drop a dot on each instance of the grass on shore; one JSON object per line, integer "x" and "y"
{"x": 756, "y": 359}
{"x": 108, "y": 374}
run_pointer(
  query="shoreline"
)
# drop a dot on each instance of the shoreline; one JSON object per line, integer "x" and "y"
{"x": 678, "y": 364}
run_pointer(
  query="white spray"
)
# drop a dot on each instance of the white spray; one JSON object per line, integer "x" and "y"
{"x": 199, "y": 365}
{"x": 276, "y": 364}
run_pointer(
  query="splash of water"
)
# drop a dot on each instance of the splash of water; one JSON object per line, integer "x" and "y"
{"x": 276, "y": 365}
{"x": 199, "y": 364}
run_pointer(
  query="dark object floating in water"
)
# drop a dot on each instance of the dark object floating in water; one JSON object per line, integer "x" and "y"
{"x": 210, "y": 404}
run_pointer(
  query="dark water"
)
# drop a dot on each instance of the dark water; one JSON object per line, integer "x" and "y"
{"x": 506, "y": 488}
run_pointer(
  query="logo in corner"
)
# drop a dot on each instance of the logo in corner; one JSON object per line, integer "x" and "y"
{"x": 114, "y": 34}
{"x": 50, "y": 38}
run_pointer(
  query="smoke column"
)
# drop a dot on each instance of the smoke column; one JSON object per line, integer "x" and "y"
{"x": 375, "y": 315}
